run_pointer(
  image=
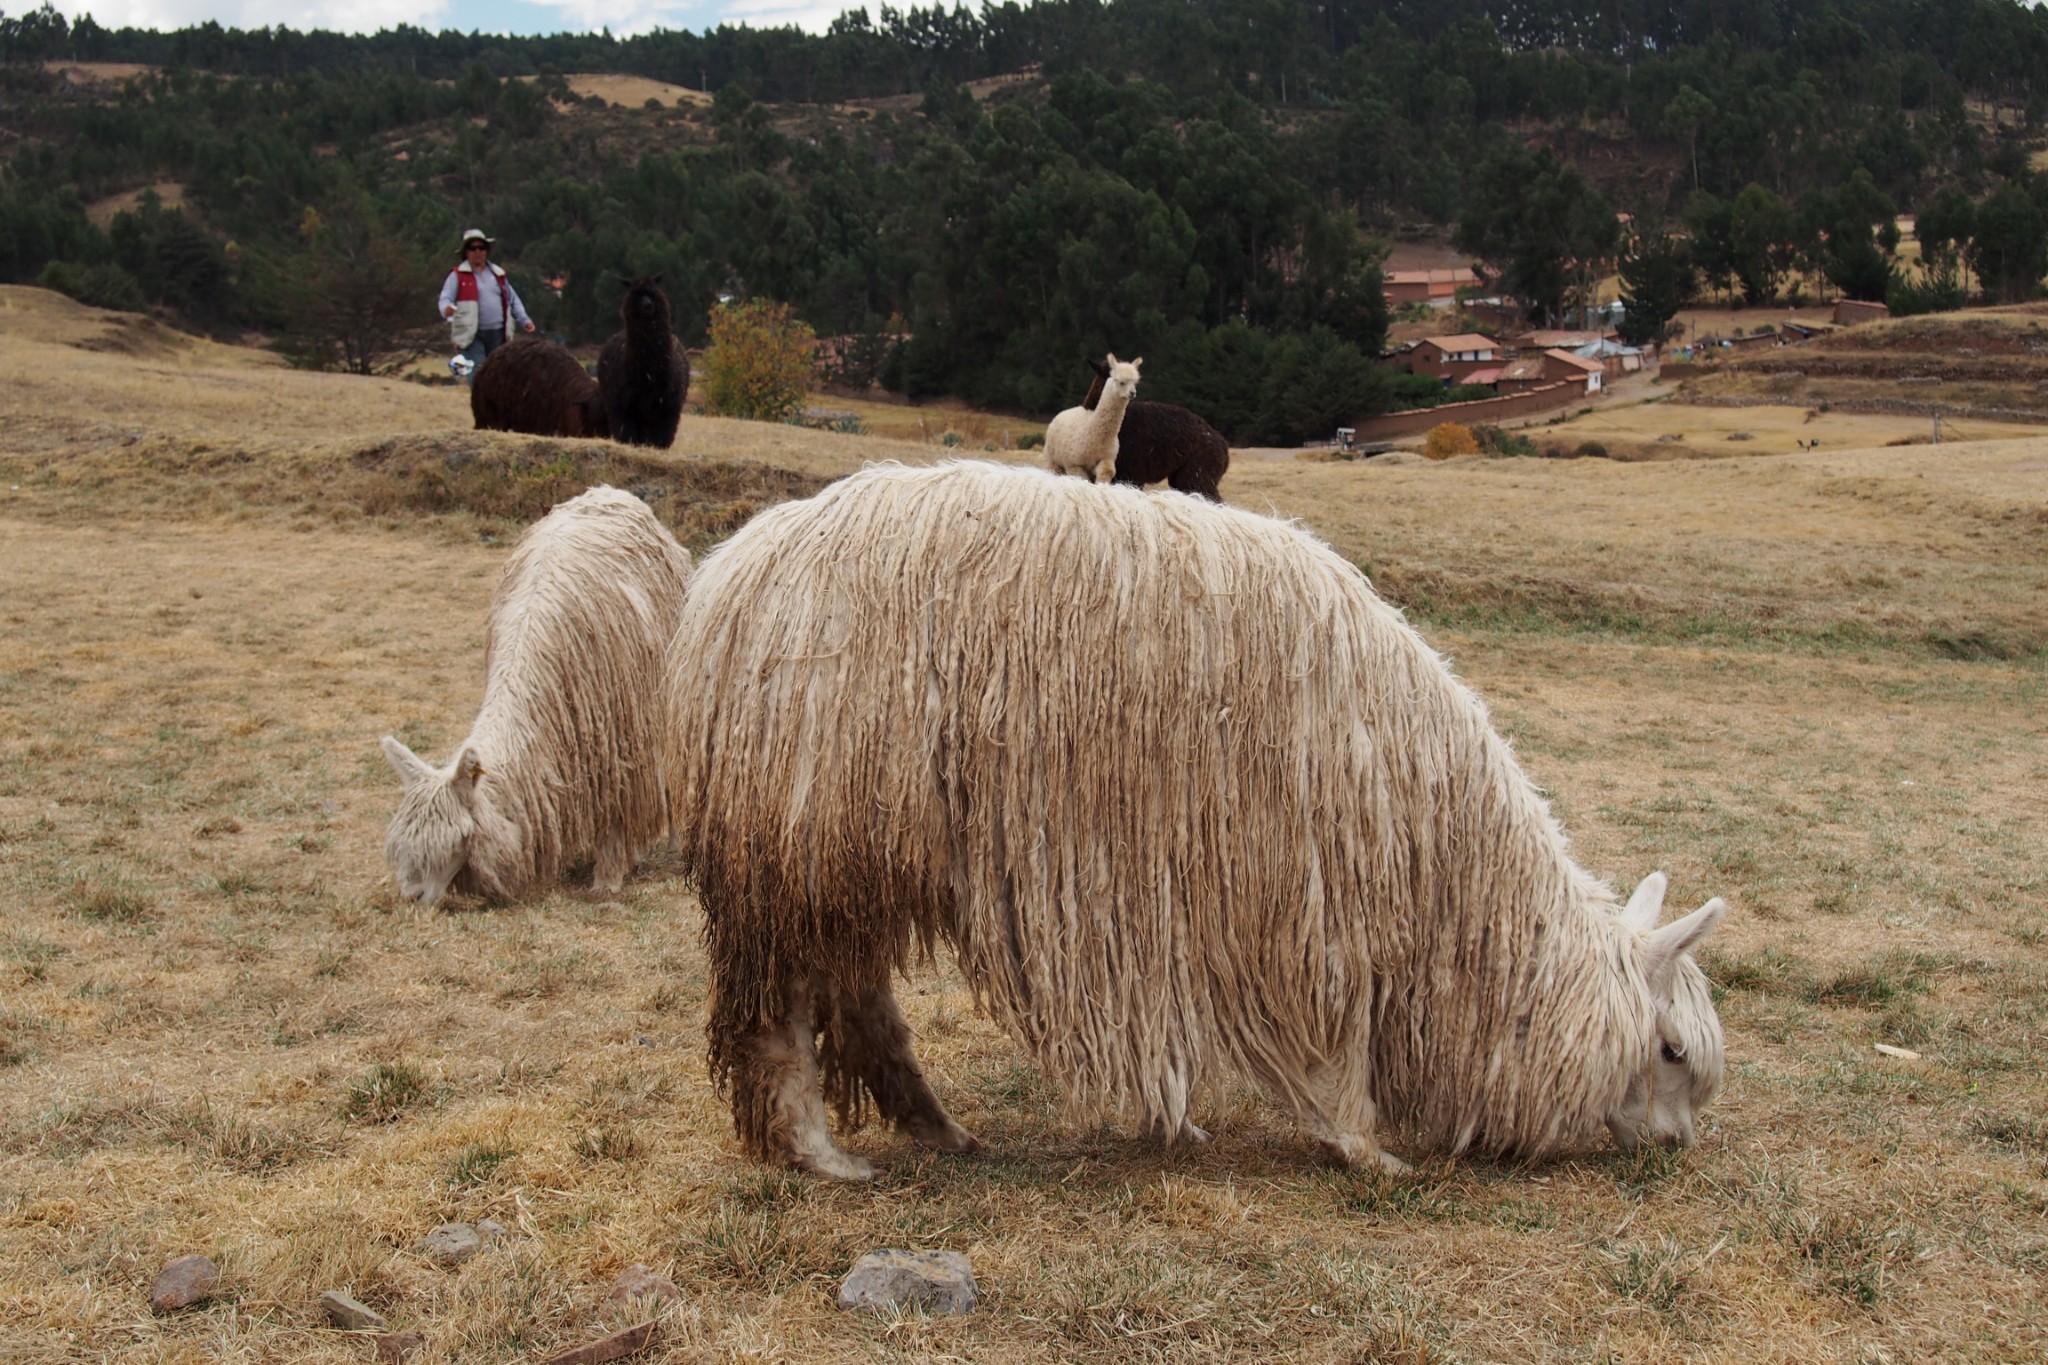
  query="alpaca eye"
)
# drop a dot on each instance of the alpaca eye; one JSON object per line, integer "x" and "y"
{"x": 1671, "y": 1054}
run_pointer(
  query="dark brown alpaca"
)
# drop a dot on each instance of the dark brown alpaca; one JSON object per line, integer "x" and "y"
{"x": 536, "y": 387}
{"x": 642, "y": 371}
{"x": 1161, "y": 441}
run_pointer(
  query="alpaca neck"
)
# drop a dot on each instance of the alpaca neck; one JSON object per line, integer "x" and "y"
{"x": 1109, "y": 413}
{"x": 646, "y": 331}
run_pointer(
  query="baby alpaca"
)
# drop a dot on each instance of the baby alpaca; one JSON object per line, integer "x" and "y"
{"x": 1082, "y": 442}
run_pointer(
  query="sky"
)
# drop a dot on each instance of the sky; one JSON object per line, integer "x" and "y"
{"x": 489, "y": 16}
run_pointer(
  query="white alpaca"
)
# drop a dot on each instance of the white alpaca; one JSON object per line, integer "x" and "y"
{"x": 1186, "y": 797}
{"x": 563, "y": 756}
{"x": 1081, "y": 441}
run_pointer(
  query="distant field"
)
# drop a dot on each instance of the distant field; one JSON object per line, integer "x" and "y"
{"x": 1665, "y": 428}
{"x": 633, "y": 92}
{"x": 1816, "y": 684}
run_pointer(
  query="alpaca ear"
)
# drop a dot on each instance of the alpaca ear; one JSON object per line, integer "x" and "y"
{"x": 1646, "y": 906}
{"x": 1112, "y": 359}
{"x": 654, "y": 279}
{"x": 1660, "y": 955}
{"x": 410, "y": 767}
{"x": 468, "y": 768}
{"x": 1136, "y": 363}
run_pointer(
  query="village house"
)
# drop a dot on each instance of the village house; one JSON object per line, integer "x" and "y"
{"x": 1849, "y": 312}
{"x": 1565, "y": 365}
{"x": 1454, "y": 359}
{"x": 1437, "y": 288}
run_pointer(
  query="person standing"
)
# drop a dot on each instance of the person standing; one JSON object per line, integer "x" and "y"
{"x": 479, "y": 301}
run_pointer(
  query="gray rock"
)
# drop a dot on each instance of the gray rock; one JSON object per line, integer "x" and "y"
{"x": 184, "y": 1282}
{"x": 939, "y": 1282}
{"x": 450, "y": 1244}
{"x": 350, "y": 1315}
{"x": 395, "y": 1348}
{"x": 614, "y": 1347}
{"x": 638, "y": 1287}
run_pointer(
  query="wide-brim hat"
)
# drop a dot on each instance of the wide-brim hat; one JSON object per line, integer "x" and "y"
{"x": 475, "y": 235}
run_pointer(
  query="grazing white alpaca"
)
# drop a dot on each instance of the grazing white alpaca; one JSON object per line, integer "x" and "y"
{"x": 563, "y": 756}
{"x": 1083, "y": 442}
{"x": 1186, "y": 797}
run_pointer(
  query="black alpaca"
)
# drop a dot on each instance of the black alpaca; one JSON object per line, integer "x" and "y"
{"x": 536, "y": 387}
{"x": 1161, "y": 441}
{"x": 641, "y": 370}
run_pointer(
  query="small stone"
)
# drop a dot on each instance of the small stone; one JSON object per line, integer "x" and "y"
{"x": 450, "y": 1244}
{"x": 350, "y": 1315}
{"x": 613, "y": 1347}
{"x": 491, "y": 1230}
{"x": 637, "y": 1286}
{"x": 939, "y": 1282}
{"x": 643, "y": 1040}
{"x": 183, "y": 1282}
{"x": 394, "y": 1348}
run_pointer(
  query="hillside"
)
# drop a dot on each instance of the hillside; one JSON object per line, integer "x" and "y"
{"x": 1982, "y": 363}
{"x": 977, "y": 201}
{"x": 1810, "y": 683}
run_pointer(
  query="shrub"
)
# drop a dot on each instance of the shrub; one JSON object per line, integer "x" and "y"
{"x": 760, "y": 362}
{"x": 1030, "y": 440}
{"x": 1593, "y": 450}
{"x": 102, "y": 286}
{"x": 1494, "y": 441}
{"x": 1446, "y": 439}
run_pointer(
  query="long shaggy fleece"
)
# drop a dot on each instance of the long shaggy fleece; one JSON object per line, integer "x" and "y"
{"x": 564, "y": 757}
{"x": 536, "y": 387}
{"x": 1181, "y": 790}
{"x": 642, "y": 371}
{"x": 1161, "y": 441}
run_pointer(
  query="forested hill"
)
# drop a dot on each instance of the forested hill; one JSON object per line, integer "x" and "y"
{"x": 1201, "y": 181}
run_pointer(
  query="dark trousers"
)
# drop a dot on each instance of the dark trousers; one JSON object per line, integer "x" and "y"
{"x": 487, "y": 340}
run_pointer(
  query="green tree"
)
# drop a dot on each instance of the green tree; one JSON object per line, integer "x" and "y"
{"x": 1657, "y": 280}
{"x": 352, "y": 298}
{"x": 2010, "y": 250}
{"x": 1763, "y": 241}
{"x": 1688, "y": 113}
{"x": 1546, "y": 233}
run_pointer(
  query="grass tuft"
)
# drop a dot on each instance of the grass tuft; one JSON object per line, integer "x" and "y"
{"x": 384, "y": 1092}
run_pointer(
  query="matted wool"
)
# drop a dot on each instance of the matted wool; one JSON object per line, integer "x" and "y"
{"x": 1181, "y": 790}
{"x": 568, "y": 733}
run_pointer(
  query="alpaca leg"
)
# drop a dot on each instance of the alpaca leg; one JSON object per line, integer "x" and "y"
{"x": 873, "y": 1043}
{"x": 1341, "y": 1116}
{"x": 776, "y": 1087}
{"x": 614, "y": 865}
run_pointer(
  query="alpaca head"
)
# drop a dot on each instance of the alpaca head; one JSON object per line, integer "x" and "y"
{"x": 644, "y": 304}
{"x": 428, "y": 842}
{"x": 1121, "y": 380}
{"x": 1683, "y": 1071}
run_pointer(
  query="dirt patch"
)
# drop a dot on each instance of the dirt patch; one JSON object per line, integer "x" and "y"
{"x": 169, "y": 193}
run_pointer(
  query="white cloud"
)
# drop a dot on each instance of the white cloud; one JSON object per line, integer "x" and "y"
{"x": 356, "y": 16}
{"x": 622, "y": 17}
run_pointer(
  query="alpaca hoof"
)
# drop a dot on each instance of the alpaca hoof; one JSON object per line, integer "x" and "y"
{"x": 1184, "y": 1135}
{"x": 833, "y": 1164}
{"x": 943, "y": 1136}
{"x": 1355, "y": 1150}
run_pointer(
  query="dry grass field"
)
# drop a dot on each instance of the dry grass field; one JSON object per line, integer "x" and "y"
{"x": 633, "y": 92}
{"x": 1654, "y": 427}
{"x": 1812, "y": 683}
